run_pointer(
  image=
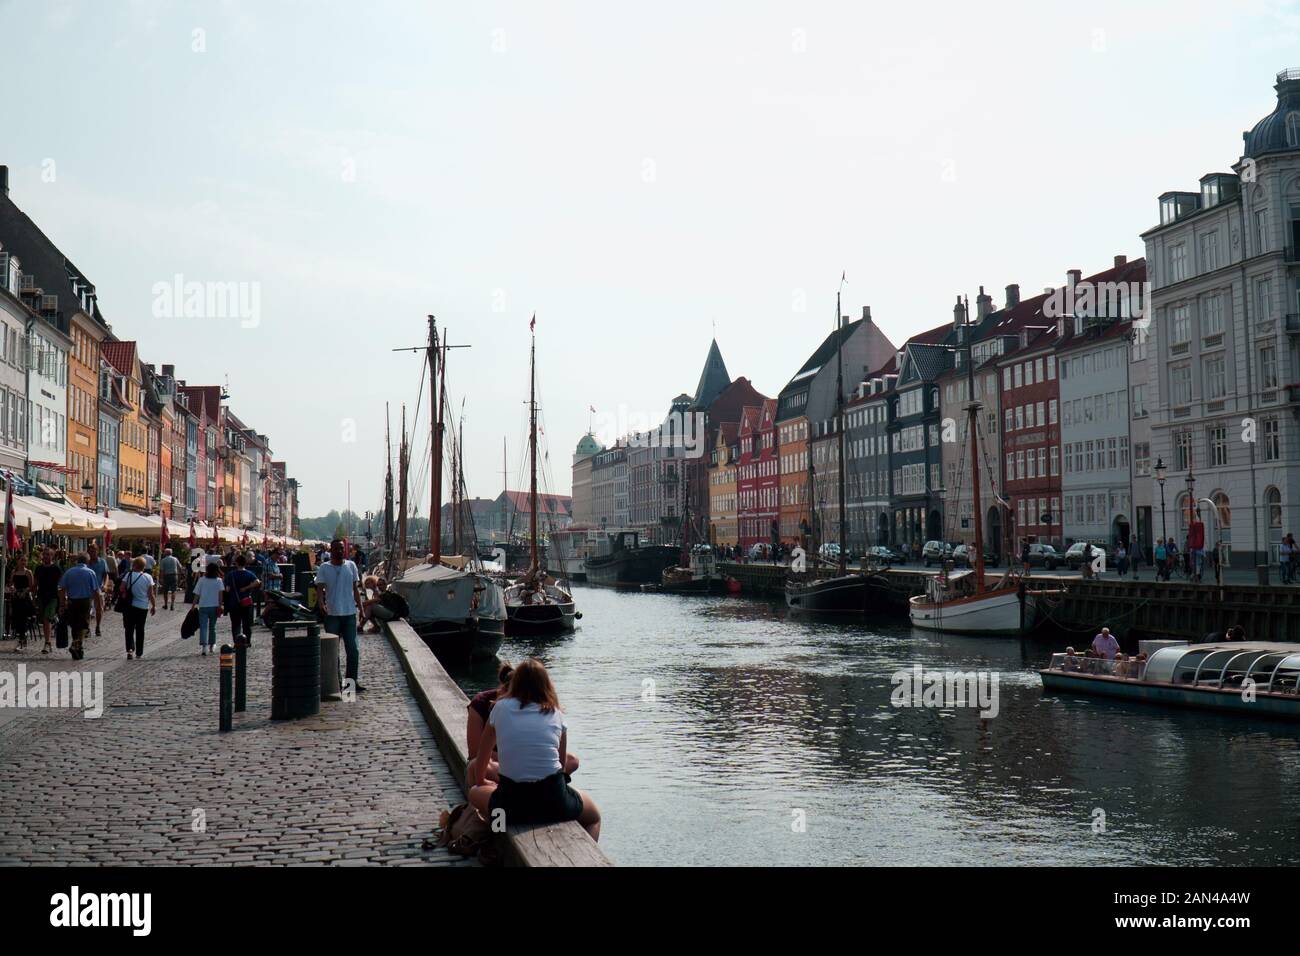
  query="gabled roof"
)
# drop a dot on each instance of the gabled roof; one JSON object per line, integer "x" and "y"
{"x": 750, "y": 417}
{"x": 924, "y": 362}
{"x": 120, "y": 355}
{"x": 728, "y": 404}
{"x": 713, "y": 379}
{"x": 728, "y": 432}
{"x": 824, "y": 353}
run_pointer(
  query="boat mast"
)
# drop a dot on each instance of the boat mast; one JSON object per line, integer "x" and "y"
{"x": 460, "y": 482}
{"x": 403, "y": 460}
{"x": 972, "y": 414}
{"x": 435, "y": 424}
{"x": 532, "y": 450}
{"x": 839, "y": 414}
{"x": 388, "y": 484}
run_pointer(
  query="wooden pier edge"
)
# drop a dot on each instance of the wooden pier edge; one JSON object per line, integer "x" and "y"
{"x": 443, "y": 704}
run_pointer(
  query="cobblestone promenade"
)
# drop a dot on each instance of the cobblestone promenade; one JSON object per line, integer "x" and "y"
{"x": 362, "y": 783}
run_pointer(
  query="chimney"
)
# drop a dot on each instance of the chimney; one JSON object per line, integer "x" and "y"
{"x": 1074, "y": 277}
{"x": 958, "y": 315}
{"x": 866, "y": 313}
{"x": 1013, "y": 295}
{"x": 4, "y": 180}
{"x": 169, "y": 371}
{"x": 983, "y": 305}
{"x": 1120, "y": 260}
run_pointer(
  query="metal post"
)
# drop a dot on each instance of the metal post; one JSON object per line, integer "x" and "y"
{"x": 241, "y": 673}
{"x": 227, "y": 682}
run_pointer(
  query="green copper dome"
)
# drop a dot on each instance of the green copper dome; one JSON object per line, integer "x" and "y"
{"x": 588, "y": 445}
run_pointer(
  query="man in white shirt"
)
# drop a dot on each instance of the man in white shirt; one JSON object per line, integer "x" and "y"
{"x": 1105, "y": 645}
{"x": 338, "y": 590}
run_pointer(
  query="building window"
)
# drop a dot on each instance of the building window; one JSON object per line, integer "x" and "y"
{"x": 1211, "y": 315}
{"x": 1218, "y": 446}
{"x": 1180, "y": 383}
{"x": 1209, "y": 251}
{"x": 1178, "y": 262}
{"x": 1181, "y": 325}
{"x": 1271, "y": 438}
{"x": 1273, "y": 501}
{"x": 1267, "y": 366}
{"x": 1142, "y": 458}
{"x": 1182, "y": 450}
{"x": 1212, "y": 373}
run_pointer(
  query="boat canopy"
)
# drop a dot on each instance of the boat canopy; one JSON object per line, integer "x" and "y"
{"x": 1272, "y": 667}
{"x": 438, "y": 593}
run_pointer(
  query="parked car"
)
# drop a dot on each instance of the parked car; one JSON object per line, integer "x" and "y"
{"x": 1045, "y": 556}
{"x": 962, "y": 554}
{"x": 1074, "y": 556}
{"x": 885, "y": 555}
{"x": 935, "y": 552}
{"x": 830, "y": 551}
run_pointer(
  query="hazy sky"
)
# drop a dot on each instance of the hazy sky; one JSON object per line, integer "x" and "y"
{"x": 637, "y": 174}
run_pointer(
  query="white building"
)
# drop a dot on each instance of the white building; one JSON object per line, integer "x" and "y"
{"x": 47, "y": 392}
{"x": 1224, "y": 265}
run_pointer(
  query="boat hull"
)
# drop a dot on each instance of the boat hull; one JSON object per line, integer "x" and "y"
{"x": 632, "y": 567}
{"x": 847, "y": 594}
{"x": 539, "y": 620}
{"x": 993, "y": 613}
{"x": 458, "y": 643}
{"x": 1282, "y": 706}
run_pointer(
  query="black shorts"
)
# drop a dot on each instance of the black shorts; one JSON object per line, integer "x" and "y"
{"x": 549, "y": 800}
{"x": 168, "y": 583}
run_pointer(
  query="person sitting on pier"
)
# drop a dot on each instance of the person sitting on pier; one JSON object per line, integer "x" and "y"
{"x": 478, "y": 712}
{"x": 1105, "y": 644}
{"x": 526, "y": 726}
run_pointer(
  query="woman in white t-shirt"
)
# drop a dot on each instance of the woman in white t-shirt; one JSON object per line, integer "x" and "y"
{"x": 208, "y": 593}
{"x": 527, "y": 728}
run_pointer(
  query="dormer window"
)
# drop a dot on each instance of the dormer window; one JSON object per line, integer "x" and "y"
{"x": 1293, "y": 130}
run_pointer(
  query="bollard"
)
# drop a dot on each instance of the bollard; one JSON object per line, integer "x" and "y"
{"x": 227, "y": 680}
{"x": 241, "y": 674}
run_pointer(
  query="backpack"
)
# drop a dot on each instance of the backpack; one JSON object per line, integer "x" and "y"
{"x": 465, "y": 833}
{"x": 395, "y": 603}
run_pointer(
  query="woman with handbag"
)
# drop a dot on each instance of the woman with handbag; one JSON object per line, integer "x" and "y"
{"x": 240, "y": 583}
{"x": 137, "y": 594}
{"x": 208, "y": 591}
{"x": 23, "y": 607}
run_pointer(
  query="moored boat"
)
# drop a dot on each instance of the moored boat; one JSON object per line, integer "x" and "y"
{"x": 460, "y": 614}
{"x": 628, "y": 563}
{"x": 954, "y": 605}
{"x": 699, "y": 576}
{"x": 534, "y": 606}
{"x": 1243, "y": 677}
{"x": 842, "y": 594}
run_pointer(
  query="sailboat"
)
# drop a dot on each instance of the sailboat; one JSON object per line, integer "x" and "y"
{"x": 845, "y": 592}
{"x": 459, "y": 612}
{"x": 534, "y": 607}
{"x": 961, "y": 603}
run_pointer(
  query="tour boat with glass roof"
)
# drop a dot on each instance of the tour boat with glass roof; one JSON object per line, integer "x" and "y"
{"x": 1240, "y": 676}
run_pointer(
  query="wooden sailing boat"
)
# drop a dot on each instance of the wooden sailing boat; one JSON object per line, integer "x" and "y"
{"x": 534, "y": 607}
{"x": 459, "y": 612}
{"x": 844, "y": 593}
{"x": 961, "y": 603}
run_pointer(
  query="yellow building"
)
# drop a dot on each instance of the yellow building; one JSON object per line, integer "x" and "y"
{"x": 723, "y": 523}
{"x": 133, "y": 437}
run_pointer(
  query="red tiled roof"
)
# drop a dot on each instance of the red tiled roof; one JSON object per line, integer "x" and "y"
{"x": 120, "y": 355}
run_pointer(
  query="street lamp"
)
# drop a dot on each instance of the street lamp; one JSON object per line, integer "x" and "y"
{"x": 1160, "y": 480}
{"x": 87, "y": 489}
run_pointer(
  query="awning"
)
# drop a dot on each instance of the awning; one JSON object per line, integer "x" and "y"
{"x": 30, "y": 519}
{"x": 132, "y": 525}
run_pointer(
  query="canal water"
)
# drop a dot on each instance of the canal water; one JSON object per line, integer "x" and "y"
{"x": 722, "y": 731}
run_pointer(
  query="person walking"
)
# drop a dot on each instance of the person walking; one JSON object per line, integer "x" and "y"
{"x": 100, "y": 567}
{"x": 1121, "y": 560}
{"x": 338, "y": 587}
{"x": 1285, "y": 555}
{"x": 138, "y": 592}
{"x": 170, "y": 569}
{"x": 240, "y": 585}
{"x": 208, "y": 593}
{"x": 1162, "y": 560}
{"x": 47, "y": 576}
{"x": 22, "y": 606}
{"x": 78, "y": 593}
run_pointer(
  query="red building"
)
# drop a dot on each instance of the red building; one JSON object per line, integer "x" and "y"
{"x": 758, "y": 477}
{"x": 1031, "y": 438}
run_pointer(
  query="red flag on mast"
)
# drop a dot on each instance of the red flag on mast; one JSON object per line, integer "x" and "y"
{"x": 108, "y": 535}
{"x": 164, "y": 536}
{"x": 192, "y": 539}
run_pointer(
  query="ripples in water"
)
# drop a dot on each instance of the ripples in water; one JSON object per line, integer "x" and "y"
{"x": 710, "y": 727}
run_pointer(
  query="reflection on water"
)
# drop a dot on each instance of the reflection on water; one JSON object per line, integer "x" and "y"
{"x": 708, "y": 728}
